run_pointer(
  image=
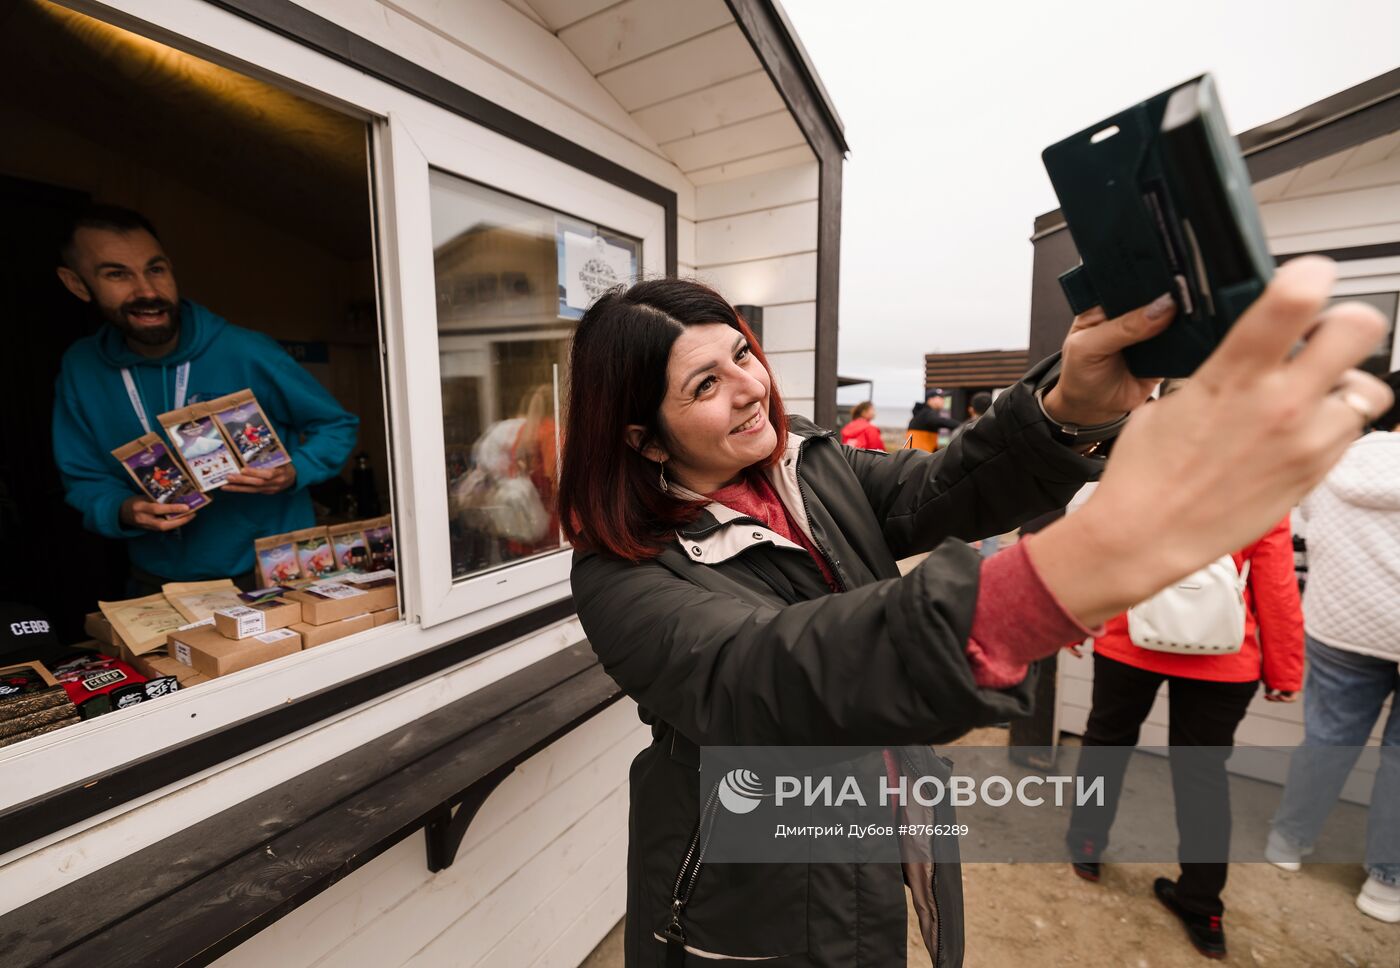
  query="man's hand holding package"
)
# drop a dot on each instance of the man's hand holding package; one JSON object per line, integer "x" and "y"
{"x": 137, "y": 512}
{"x": 262, "y": 480}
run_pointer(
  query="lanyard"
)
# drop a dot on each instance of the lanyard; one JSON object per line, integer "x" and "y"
{"x": 182, "y": 386}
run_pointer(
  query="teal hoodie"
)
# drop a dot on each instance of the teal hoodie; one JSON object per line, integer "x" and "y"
{"x": 93, "y": 415}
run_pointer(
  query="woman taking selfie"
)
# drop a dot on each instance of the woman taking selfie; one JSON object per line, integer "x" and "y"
{"x": 735, "y": 568}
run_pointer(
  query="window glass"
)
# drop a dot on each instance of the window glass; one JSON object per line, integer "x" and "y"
{"x": 512, "y": 279}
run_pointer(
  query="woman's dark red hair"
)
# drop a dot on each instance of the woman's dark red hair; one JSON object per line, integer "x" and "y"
{"x": 609, "y": 498}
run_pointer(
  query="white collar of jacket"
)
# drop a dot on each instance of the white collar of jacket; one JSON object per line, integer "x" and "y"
{"x": 728, "y": 532}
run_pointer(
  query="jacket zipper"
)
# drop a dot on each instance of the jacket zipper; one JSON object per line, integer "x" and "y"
{"x": 933, "y": 876}
{"x": 807, "y": 514}
{"x": 680, "y": 895}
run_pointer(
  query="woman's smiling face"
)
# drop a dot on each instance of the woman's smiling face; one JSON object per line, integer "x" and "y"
{"x": 715, "y": 411}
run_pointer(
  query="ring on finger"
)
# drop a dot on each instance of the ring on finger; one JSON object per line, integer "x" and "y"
{"x": 1358, "y": 404}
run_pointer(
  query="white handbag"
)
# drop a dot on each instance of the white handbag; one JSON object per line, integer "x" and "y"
{"x": 1203, "y": 614}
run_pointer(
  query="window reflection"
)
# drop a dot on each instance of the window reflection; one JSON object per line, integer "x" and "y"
{"x": 511, "y": 280}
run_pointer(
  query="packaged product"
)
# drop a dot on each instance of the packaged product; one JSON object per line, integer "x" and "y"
{"x": 314, "y": 552}
{"x": 379, "y": 535}
{"x": 158, "y": 473}
{"x": 276, "y": 560}
{"x": 201, "y": 445}
{"x": 349, "y": 545}
{"x": 142, "y": 623}
{"x": 199, "y": 600}
{"x": 248, "y": 430}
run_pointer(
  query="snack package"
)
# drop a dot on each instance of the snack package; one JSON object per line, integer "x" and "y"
{"x": 143, "y": 623}
{"x": 156, "y": 471}
{"x": 259, "y": 595}
{"x": 351, "y": 549}
{"x": 27, "y": 714}
{"x": 24, "y": 678}
{"x": 314, "y": 552}
{"x": 201, "y": 445}
{"x": 98, "y": 684}
{"x": 248, "y": 430}
{"x": 199, "y": 600}
{"x": 379, "y": 535}
{"x": 277, "y": 560}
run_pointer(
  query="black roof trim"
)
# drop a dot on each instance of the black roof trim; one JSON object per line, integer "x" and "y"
{"x": 814, "y": 80}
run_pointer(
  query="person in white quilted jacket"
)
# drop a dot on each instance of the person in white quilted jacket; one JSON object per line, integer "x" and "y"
{"x": 1353, "y": 646}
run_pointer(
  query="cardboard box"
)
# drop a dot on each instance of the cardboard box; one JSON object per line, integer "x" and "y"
{"x": 314, "y": 635}
{"x": 97, "y": 626}
{"x": 244, "y": 621}
{"x": 385, "y": 616}
{"x": 330, "y": 601}
{"x": 154, "y": 666}
{"x": 207, "y": 652}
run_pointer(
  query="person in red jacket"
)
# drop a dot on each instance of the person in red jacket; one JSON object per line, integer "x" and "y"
{"x": 859, "y": 431}
{"x": 1207, "y": 696}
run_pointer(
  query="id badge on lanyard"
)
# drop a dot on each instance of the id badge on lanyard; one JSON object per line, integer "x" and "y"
{"x": 182, "y": 387}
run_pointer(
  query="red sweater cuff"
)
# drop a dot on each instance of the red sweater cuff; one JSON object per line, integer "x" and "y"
{"x": 1017, "y": 620}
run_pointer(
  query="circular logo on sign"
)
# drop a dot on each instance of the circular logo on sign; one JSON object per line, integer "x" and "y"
{"x": 597, "y": 277}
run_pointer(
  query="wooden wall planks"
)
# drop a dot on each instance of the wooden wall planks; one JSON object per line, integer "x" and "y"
{"x": 711, "y": 58}
{"x": 621, "y": 34}
{"x": 777, "y": 231}
{"x": 738, "y": 99}
{"x": 758, "y": 192}
{"x": 790, "y": 327}
{"x": 552, "y": 815}
{"x": 782, "y": 279}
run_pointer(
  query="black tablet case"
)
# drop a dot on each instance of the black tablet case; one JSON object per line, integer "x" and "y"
{"x": 1163, "y": 204}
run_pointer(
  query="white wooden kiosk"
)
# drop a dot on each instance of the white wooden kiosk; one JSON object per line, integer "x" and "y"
{"x": 1328, "y": 181}
{"x": 693, "y": 136}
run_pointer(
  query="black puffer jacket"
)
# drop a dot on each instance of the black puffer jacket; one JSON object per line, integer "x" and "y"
{"x": 731, "y": 637}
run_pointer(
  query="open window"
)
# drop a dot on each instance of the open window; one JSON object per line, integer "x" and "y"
{"x": 500, "y": 251}
{"x": 427, "y": 271}
{"x": 261, "y": 199}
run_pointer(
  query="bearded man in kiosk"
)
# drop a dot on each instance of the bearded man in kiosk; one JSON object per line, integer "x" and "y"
{"x": 156, "y": 352}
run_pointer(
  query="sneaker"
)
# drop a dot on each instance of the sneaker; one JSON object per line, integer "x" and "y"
{"x": 1381, "y": 901}
{"x": 1280, "y": 852}
{"x": 1089, "y": 870}
{"x": 1206, "y": 931}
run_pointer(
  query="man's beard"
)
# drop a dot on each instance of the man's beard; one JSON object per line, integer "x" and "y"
{"x": 145, "y": 335}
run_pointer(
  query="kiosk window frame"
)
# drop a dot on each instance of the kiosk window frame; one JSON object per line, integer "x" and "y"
{"x": 73, "y": 775}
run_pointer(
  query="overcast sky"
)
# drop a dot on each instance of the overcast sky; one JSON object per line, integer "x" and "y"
{"x": 948, "y": 105}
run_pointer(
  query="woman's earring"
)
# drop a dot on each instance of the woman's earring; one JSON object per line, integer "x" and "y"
{"x": 665, "y": 488}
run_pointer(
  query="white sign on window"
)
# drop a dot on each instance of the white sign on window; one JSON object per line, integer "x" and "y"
{"x": 592, "y": 265}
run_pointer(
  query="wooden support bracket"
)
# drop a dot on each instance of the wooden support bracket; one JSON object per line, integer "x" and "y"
{"x": 446, "y": 827}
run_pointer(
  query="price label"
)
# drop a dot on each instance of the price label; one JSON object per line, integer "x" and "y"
{"x": 276, "y": 636}
{"x": 334, "y": 589}
{"x": 250, "y": 620}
